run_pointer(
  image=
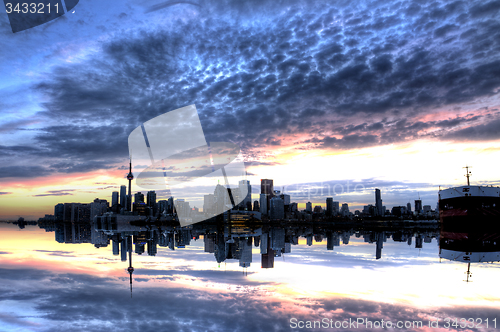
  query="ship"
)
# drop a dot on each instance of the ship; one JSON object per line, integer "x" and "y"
{"x": 466, "y": 204}
{"x": 470, "y": 224}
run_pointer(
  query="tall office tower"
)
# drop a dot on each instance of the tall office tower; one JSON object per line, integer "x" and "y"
{"x": 256, "y": 206}
{"x": 309, "y": 207}
{"x": 267, "y": 188}
{"x": 163, "y": 206}
{"x": 98, "y": 207}
{"x": 329, "y": 206}
{"x": 245, "y": 185}
{"x": 139, "y": 197}
{"x": 130, "y": 177}
{"x": 77, "y": 212}
{"x": 263, "y": 204}
{"x": 151, "y": 201}
{"x": 418, "y": 206}
{"x": 123, "y": 197}
{"x": 114, "y": 198}
{"x": 222, "y": 200}
{"x": 277, "y": 208}
{"x": 59, "y": 212}
{"x": 285, "y": 198}
{"x": 408, "y": 207}
{"x": 345, "y": 210}
{"x": 209, "y": 204}
{"x": 378, "y": 203}
{"x": 170, "y": 205}
{"x": 336, "y": 208}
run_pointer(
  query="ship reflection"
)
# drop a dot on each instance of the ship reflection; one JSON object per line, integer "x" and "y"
{"x": 469, "y": 241}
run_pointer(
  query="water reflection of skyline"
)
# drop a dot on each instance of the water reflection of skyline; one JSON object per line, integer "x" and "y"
{"x": 228, "y": 241}
{"x": 312, "y": 282}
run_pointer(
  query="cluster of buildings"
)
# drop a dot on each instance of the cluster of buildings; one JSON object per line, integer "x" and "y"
{"x": 235, "y": 203}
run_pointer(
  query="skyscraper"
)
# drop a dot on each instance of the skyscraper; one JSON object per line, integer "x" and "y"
{"x": 263, "y": 204}
{"x": 277, "y": 208}
{"x": 59, "y": 212}
{"x": 139, "y": 197}
{"x": 151, "y": 200}
{"x": 329, "y": 206}
{"x": 267, "y": 188}
{"x": 123, "y": 197}
{"x": 345, "y": 210}
{"x": 418, "y": 206}
{"x": 209, "y": 204}
{"x": 114, "y": 198}
{"x": 244, "y": 185}
{"x": 309, "y": 207}
{"x": 98, "y": 207}
{"x": 378, "y": 203}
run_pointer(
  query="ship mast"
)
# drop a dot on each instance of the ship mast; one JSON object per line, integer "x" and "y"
{"x": 468, "y": 174}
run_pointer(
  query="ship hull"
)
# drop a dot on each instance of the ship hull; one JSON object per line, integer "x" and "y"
{"x": 479, "y": 210}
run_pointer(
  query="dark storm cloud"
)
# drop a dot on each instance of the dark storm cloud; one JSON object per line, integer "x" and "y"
{"x": 23, "y": 171}
{"x": 5, "y": 193}
{"x": 291, "y": 71}
{"x": 483, "y": 132}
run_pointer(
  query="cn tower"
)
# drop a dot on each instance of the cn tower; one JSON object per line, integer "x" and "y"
{"x": 130, "y": 177}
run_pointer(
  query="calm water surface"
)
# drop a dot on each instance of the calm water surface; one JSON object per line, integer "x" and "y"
{"x": 75, "y": 277}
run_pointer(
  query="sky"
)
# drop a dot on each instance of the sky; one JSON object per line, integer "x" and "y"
{"x": 384, "y": 94}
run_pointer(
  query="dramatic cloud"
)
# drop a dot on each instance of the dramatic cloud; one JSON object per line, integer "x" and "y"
{"x": 293, "y": 71}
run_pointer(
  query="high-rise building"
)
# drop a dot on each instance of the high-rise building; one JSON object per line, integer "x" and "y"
{"x": 336, "y": 208}
{"x": 256, "y": 206}
{"x": 263, "y": 204}
{"x": 163, "y": 206}
{"x": 378, "y": 203}
{"x": 277, "y": 208}
{"x": 139, "y": 197}
{"x": 309, "y": 207}
{"x": 244, "y": 185}
{"x": 267, "y": 188}
{"x": 209, "y": 204}
{"x": 59, "y": 212}
{"x": 408, "y": 207}
{"x": 344, "y": 210}
{"x": 418, "y": 206}
{"x": 329, "y": 206}
{"x": 98, "y": 207}
{"x": 123, "y": 196}
{"x": 114, "y": 198}
{"x": 151, "y": 201}
{"x": 151, "y": 198}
